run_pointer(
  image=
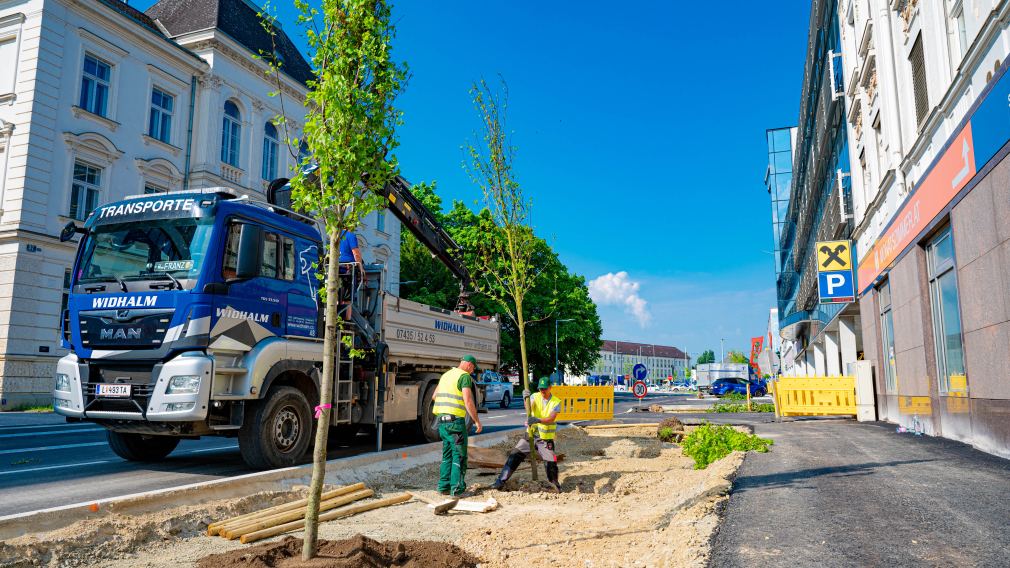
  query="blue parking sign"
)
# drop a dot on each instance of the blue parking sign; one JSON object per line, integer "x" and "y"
{"x": 836, "y": 287}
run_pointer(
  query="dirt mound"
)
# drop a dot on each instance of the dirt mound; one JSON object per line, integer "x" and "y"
{"x": 355, "y": 552}
{"x": 632, "y": 448}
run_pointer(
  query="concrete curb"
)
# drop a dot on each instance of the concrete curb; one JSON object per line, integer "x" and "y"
{"x": 339, "y": 471}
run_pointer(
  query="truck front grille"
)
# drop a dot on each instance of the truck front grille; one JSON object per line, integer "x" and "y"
{"x": 138, "y": 377}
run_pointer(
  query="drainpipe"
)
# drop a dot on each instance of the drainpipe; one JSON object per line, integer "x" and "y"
{"x": 189, "y": 132}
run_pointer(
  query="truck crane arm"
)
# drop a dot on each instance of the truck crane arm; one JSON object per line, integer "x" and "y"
{"x": 428, "y": 231}
{"x": 418, "y": 219}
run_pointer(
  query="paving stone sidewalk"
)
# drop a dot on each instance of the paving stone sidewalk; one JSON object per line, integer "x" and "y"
{"x": 840, "y": 493}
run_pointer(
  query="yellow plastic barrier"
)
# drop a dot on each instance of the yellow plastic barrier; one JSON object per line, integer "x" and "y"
{"x": 814, "y": 396}
{"x": 585, "y": 403}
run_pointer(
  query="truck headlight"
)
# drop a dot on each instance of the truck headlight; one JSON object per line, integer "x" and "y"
{"x": 183, "y": 384}
{"x": 62, "y": 382}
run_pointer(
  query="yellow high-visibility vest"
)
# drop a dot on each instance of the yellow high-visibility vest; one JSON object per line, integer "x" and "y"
{"x": 448, "y": 395}
{"x": 540, "y": 408}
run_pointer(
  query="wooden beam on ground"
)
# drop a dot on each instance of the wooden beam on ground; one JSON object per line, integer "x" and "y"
{"x": 328, "y": 516}
{"x": 215, "y": 528}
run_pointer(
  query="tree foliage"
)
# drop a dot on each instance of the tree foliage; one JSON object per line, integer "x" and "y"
{"x": 558, "y": 293}
{"x": 737, "y": 357}
{"x": 707, "y": 356}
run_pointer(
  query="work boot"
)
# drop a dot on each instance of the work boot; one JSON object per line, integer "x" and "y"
{"x": 511, "y": 463}
{"x": 552, "y": 475}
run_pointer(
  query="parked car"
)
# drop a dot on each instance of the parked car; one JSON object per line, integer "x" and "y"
{"x": 496, "y": 389}
{"x": 722, "y": 387}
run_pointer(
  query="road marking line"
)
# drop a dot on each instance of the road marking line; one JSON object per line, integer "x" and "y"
{"x": 64, "y": 466}
{"x": 503, "y": 416}
{"x": 65, "y": 433}
{"x": 56, "y": 425}
{"x": 44, "y": 448}
{"x": 209, "y": 449}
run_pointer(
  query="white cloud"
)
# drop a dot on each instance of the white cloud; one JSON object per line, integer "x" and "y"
{"x": 618, "y": 290}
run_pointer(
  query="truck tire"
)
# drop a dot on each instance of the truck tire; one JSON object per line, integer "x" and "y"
{"x": 506, "y": 400}
{"x": 278, "y": 431}
{"x": 141, "y": 448}
{"x": 426, "y": 421}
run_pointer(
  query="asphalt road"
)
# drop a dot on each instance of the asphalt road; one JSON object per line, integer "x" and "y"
{"x": 835, "y": 493}
{"x": 46, "y": 462}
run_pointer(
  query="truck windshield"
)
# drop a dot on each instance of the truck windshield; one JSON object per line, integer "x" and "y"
{"x": 168, "y": 250}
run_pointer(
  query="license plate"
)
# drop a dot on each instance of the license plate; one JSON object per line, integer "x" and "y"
{"x": 117, "y": 390}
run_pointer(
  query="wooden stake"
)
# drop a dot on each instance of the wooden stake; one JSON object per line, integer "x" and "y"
{"x": 329, "y": 516}
{"x": 235, "y": 531}
{"x": 215, "y": 528}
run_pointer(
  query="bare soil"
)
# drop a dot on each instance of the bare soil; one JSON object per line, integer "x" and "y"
{"x": 629, "y": 500}
{"x": 355, "y": 552}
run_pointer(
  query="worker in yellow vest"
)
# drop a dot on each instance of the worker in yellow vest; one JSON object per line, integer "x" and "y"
{"x": 454, "y": 398}
{"x": 543, "y": 412}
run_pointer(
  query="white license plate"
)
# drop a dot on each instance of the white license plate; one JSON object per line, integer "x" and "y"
{"x": 112, "y": 390}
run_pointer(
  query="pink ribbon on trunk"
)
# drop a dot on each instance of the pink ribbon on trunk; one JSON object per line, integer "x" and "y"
{"x": 320, "y": 408}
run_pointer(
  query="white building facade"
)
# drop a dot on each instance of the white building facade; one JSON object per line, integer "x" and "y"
{"x": 99, "y": 101}
{"x": 619, "y": 357}
{"x": 926, "y": 92}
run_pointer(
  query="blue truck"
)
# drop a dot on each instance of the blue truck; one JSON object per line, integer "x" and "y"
{"x": 198, "y": 314}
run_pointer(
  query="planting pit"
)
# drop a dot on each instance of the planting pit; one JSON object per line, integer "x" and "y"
{"x": 629, "y": 500}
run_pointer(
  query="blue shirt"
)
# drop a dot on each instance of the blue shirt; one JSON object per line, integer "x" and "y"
{"x": 348, "y": 242}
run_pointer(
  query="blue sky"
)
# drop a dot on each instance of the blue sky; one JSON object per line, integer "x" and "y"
{"x": 640, "y": 128}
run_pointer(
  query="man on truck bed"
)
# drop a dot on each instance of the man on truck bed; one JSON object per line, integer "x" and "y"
{"x": 454, "y": 399}
{"x": 544, "y": 410}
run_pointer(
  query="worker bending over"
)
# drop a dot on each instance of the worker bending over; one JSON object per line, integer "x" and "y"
{"x": 543, "y": 412}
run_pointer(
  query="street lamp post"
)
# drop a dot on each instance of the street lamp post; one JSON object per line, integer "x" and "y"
{"x": 556, "y": 321}
{"x": 722, "y": 351}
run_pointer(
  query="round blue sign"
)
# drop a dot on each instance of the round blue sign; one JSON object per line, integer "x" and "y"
{"x": 640, "y": 372}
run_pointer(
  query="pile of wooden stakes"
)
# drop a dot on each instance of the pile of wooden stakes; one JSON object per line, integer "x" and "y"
{"x": 291, "y": 516}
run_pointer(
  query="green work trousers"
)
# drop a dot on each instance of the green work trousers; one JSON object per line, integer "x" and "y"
{"x": 452, "y": 473}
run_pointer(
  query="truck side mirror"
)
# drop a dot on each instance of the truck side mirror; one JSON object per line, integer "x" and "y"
{"x": 69, "y": 230}
{"x": 250, "y": 251}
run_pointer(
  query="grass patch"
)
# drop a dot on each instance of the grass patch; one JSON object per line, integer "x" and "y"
{"x": 30, "y": 408}
{"x": 742, "y": 407}
{"x": 708, "y": 443}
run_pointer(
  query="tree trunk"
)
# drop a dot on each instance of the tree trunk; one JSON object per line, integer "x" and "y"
{"x": 526, "y": 384}
{"x": 331, "y": 346}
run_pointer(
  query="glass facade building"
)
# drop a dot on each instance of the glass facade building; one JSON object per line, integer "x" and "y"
{"x": 807, "y": 181}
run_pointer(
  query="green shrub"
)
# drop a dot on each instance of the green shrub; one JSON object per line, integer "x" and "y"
{"x": 733, "y": 396}
{"x": 708, "y": 443}
{"x": 738, "y": 407}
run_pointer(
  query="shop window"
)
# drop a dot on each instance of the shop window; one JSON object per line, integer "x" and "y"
{"x": 887, "y": 337}
{"x": 943, "y": 296}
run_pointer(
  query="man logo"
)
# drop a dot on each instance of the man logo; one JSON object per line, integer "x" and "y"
{"x": 123, "y": 314}
{"x": 121, "y": 333}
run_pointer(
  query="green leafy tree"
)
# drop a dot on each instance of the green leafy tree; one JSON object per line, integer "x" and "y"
{"x": 707, "y": 356}
{"x": 737, "y": 357}
{"x": 350, "y": 130}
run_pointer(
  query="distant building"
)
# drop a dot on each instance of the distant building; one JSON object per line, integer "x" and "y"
{"x": 99, "y": 101}
{"x": 619, "y": 357}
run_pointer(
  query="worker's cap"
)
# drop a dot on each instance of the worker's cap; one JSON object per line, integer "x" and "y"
{"x": 545, "y": 383}
{"x": 469, "y": 359}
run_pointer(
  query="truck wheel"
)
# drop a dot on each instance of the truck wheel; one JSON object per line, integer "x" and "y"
{"x": 138, "y": 447}
{"x": 278, "y": 431}
{"x": 426, "y": 421}
{"x": 506, "y": 400}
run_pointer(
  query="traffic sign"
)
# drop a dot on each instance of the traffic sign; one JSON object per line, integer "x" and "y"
{"x": 640, "y": 372}
{"x": 639, "y": 389}
{"x": 836, "y": 287}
